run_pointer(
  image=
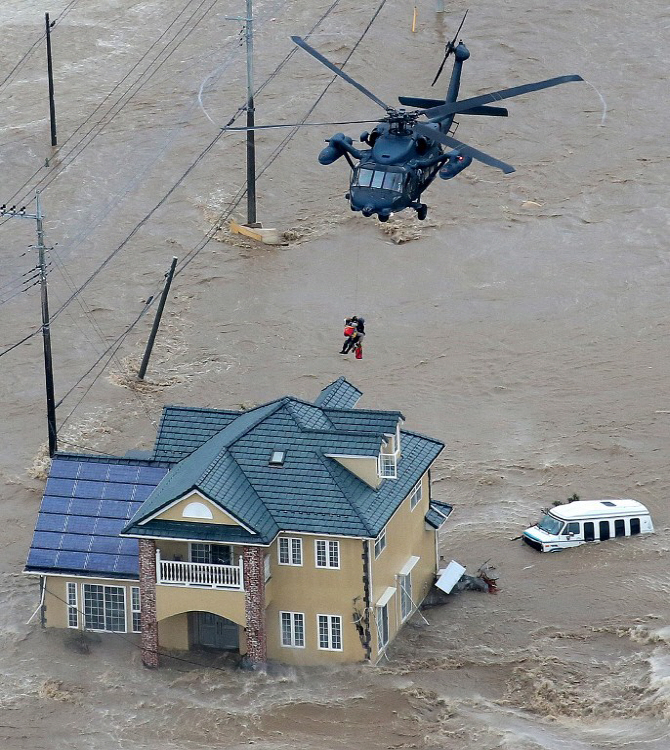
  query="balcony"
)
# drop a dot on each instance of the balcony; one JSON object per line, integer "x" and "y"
{"x": 199, "y": 575}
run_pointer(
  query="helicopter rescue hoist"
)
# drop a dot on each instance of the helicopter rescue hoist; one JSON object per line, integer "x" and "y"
{"x": 405, "y": 154}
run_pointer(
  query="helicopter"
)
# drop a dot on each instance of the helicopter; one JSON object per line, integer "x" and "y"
{"x": 405, "y": 154}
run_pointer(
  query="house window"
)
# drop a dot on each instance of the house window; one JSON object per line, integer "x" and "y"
{"x": 415, "y": 495}
{"x": 292, "y": 629}
{"x": 267, "y": 567}
{"x": 327, "y": 554}
{"x": 380, "y": 543}
{"x": 290, "y": 551}
{"x": 330, "y": 632}
{"x": 406, "y": 604}
{"x": 382, "y": 616}
{"x": 387, "y": 466}
{"x": 135, "y": 608}
{"x": 72, "y": 606}
{"x": 104, "y": 608}
{"x": 216, "y": 554}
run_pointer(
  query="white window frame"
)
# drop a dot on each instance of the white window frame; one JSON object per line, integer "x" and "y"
{"x": 416, "y": 495}
{"x": 380, "y": 543}
{"x": 331, "y": 550}
{"x": 387, "y": 465}
{"x": 330, "y": 622}
{"x": 267, "y": 567}
{"x": 405, "y": 592}
{"x": 106, "y": 591}
{"x": 382, "y": 618}
{"x": 297, "y": 638}
{"x": 207, "y": 547}
{"x": 72, "y": 605}
{"x": 290, "y": 547}
{"x": 135, "y": 609}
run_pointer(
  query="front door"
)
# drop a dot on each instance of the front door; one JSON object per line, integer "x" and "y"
{"x": 212, "y": 631}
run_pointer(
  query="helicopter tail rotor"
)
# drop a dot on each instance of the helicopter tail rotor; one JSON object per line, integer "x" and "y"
{"x": 449, "y": 50}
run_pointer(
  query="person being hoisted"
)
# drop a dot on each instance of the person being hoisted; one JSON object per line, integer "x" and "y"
{"x": 354, "y": 332}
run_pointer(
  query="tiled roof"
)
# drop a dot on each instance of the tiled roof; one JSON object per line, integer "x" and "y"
{"x": 438, "y": 514}
{"x": 309, "y": 492}
{"x": 339, "y": 395}
{"x": 86, "y": 503}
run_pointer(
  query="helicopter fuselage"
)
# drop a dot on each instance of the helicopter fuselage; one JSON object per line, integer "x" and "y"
{"x": 399, "y": 164}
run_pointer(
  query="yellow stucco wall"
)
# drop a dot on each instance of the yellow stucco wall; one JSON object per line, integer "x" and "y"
{"x": 406, "y": 536}
{"x": 363, "y": 468}
{"x": 55, "y": 599}
{"x": 173, "y": 600}
{"x": 313, "y": 591}
{"x": 175, "y": 512}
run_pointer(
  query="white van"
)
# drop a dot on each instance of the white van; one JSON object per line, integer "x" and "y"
{"x": 588, "y": 521}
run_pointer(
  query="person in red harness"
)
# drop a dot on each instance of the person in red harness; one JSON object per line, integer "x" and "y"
{"x": 354, "y": 331}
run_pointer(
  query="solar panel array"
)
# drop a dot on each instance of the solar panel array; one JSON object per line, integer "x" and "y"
{"x": 85, "y": 505}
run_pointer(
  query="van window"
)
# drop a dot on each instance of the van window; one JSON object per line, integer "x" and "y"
{"x": 619, "y": 527}
{"x": 550, "y": 525}
{"x": 572, "y": 528}
{"x": 589, "y": 532}
{"x": 604, "y": 530}
{"x": 634, "y": 526}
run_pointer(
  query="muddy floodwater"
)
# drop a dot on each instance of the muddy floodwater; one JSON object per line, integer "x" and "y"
{"x": 526, "y": 324}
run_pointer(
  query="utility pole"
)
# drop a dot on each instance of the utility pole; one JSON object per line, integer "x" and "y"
{"x": 46, "y": 328}
{"x": 154, "y": 329}
{"x": 52, "y": 104}
{"x": 251, "y": 136}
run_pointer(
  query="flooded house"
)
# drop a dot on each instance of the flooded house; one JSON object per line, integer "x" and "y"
{"x": 300, "y": 532}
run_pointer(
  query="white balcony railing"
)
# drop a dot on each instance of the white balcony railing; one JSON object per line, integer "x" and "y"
{"x": 199, "y": 575}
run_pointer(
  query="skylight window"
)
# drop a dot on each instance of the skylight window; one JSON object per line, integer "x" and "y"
{"x": 277, "y": 458}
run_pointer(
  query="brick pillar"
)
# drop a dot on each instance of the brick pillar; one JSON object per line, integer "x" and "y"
{"x": 254, "y": 605}
{"x": 149, "y": 636}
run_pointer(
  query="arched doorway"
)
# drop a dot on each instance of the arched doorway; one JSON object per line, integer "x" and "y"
{"x": 207, "y": 630}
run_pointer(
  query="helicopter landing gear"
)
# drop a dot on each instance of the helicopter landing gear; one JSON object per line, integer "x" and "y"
{"x": 422, "y": 211}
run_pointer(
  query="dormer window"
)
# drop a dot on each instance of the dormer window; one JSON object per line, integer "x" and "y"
{"x": 277, "y": 458}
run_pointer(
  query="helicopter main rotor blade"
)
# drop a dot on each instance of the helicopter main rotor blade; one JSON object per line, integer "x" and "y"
{"x": 495, "y": 96}
{"x": 463, "y": 148}
{"x": 331, "y": 66}
{"x": 297, "y": 125}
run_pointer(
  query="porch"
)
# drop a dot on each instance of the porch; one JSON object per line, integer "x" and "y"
{"x": 199, "y": 575}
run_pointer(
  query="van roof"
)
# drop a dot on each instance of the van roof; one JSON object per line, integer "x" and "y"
{"x": 597, "y": 508}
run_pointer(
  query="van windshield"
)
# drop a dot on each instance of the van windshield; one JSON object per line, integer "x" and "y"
{"x": 550, "y": 525}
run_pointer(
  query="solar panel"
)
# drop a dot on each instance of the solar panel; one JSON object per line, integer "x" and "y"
{"x": 51, "y": 522}
{"x": 100, "y": 563}
{"x": 71, "y": 560}
{"x": 42, "y": 558}
{"x": 118, "y": 491}
{"x": 61, "y": 487}
{"x": 127, "y": 565}
{"x": 90, "y": 470}
{"x": 63, "y": 468}
{"x": 80, "y": 525}
{"x": 89, "y": 488}
{"x": 55, "y": 504}
{"x": 85, "y": 506}
{"x": 47, "y": 540}
{"x": 76, "y": 542}
{"x": 107, "y": 544}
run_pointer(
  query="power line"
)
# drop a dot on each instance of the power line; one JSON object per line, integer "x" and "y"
{"x": 48, "y": 179}
{"x": 35, "y": 44}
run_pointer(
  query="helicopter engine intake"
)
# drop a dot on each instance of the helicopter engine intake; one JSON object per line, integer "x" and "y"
{"x": 338, "y": 145}
{"x": 455, "y": 164}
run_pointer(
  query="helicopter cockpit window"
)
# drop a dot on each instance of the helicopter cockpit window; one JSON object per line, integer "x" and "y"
{"x": 364, "y": 177}
{"x": 380, "y": 179}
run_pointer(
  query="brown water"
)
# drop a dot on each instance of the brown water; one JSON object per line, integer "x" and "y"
{"x": 525, "y": 324}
